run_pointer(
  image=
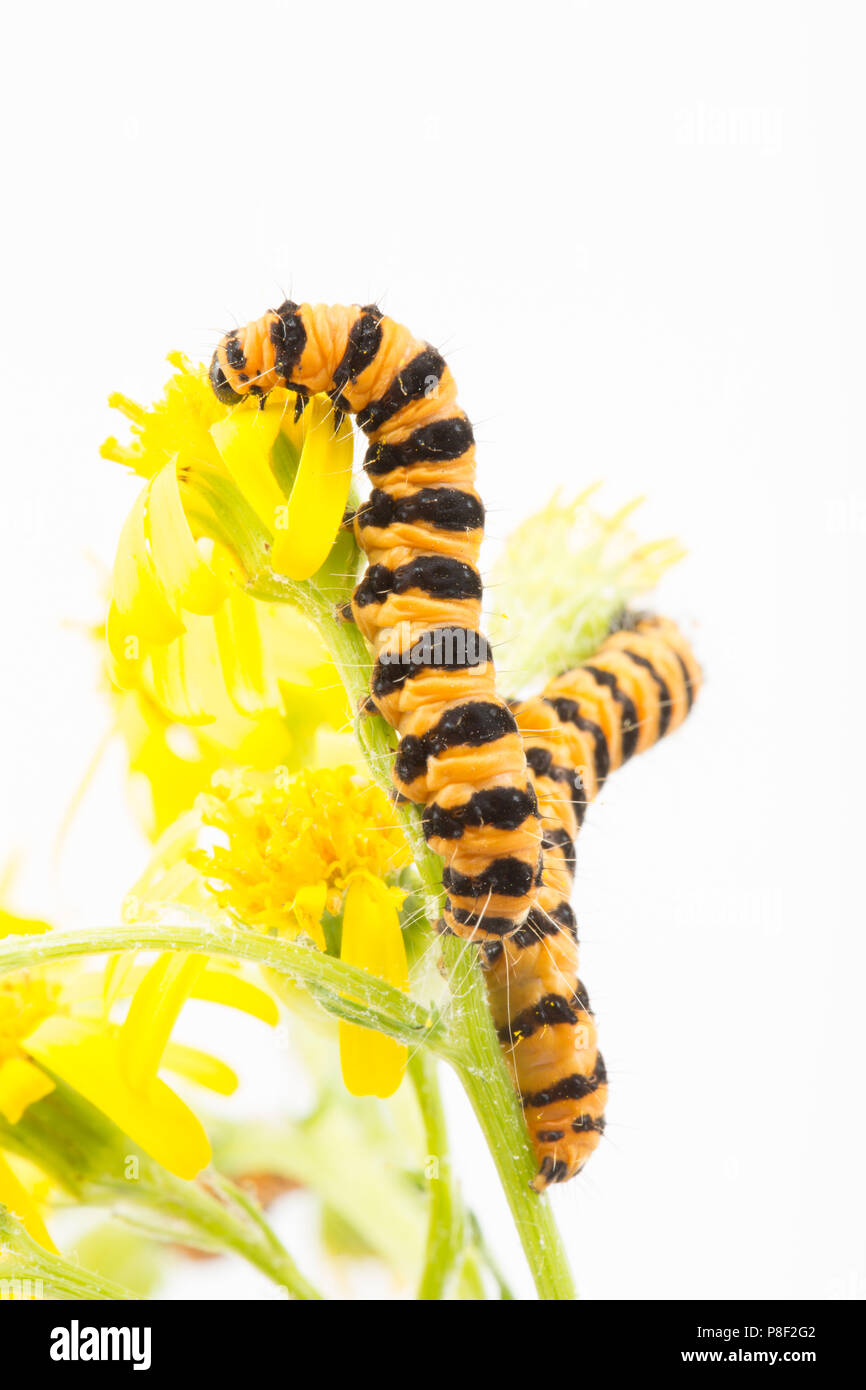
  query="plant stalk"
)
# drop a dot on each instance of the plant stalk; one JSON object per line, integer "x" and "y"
{"x": 478, "y": 1060}
{"x": 445, "y": 1230}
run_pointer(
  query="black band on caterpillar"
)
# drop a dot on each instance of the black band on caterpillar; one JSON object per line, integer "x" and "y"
{"x": 629, "y": 713}
{"x": 440, "y": 649}
{"x": 506, "y": 808}
{"x": 575, "y": 1086}
{"x": 417, "y": 379}
{"x": 442, "y": 442}
{"x": 445, "y": 508}
{"x": 468, "y": 726}
{"x": 362, "y": 349}
{"x": 438, "y": 576}
{"x": 569, "y": 712}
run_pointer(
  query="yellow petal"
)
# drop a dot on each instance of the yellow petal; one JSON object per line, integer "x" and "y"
{"x": 20, "y": 1085}
{"x": 141, "y": 603}
{"x": 242, "y": 656}
{"x": 10, "y": 925}
{"x": 14, "y": 1196}
{"x": 372, "y": 1064}
{"x": 153, "y": 1117}
{"x": 215, "y": 986}
{"x": 200, "y": 1067}
{"x": 175, "y": 670}
{"x": 309, "y": 524}
{"x": 220, "y": 987}
{"x": 244, "y": 441}
{"x": 125, "y": 651}
{"x": 153, "y": 1013}
{"x": 184, "y": 573}
{"x": 171, "y": 849}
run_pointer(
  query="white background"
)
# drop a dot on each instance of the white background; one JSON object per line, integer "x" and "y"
{"x": 638, "y": 233}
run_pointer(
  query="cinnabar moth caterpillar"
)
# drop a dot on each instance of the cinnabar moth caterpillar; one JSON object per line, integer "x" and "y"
{"x": 459, "y": 750}
{"x": 482, "y": 766}
{"x": 638, "y": 687}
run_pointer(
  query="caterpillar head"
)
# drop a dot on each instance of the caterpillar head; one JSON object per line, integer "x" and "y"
{"x": 222, "y": 387}
{"x": 252, "y": 360}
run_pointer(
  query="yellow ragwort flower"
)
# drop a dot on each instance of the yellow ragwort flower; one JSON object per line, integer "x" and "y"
{"x": 216, "y": 473}
{"x": 204, "y": 675}
{"x": 172, "y": 760}
{"x": 324, "y": 841}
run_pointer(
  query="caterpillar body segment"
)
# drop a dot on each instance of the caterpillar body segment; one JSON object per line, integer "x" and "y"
{"x": 419, "y": 602}
{"x": 542, "y": 1012}
{"x": 575, "y": 734}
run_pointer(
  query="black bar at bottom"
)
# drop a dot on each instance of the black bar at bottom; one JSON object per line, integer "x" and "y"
{"x": 204, "y": 1338}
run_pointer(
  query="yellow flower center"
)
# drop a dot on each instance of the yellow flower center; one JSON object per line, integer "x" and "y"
{"x": 296, "y": 847}
{"x": 26, "y": 1000}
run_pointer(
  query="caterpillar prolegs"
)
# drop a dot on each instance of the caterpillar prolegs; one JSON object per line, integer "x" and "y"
{"x": 419, "y": 602}
{"x": 638, "y": 687}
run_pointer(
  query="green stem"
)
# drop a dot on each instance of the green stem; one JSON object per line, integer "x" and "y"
{"x": 318, "y": 1153}
{"x": 47, "y": 1274}
{"x": 497, "y": 1109}
{"x": 93, "y": 1160}
{"x": 445, "y": 1228}
{"x": 342, "y": 989}
{"x": 471, "y": 1283}
{"x": 218, "y": 1228}
{"x": 488, "y": 1259}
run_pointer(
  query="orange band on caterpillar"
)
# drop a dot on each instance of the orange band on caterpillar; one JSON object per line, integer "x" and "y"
{"x": 419, "y": 602}
{"x": 579, "y": 729}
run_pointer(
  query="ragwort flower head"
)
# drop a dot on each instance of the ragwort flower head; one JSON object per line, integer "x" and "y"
{"x": 295, "y": 844}
{"x": 322, "y": 842}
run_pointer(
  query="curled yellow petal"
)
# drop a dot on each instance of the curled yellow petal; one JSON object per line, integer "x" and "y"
{"x": 221, "y": 987}
{"x": 309, "y": 523}
{"x": 153, "y": 1013}
{"x": 176, "y": 670}
{"x": 185, "y": 575}
{"x": 244, "y": 440}
{"x": 21, "y": 1084}
{"x": 200, "y": 1067}
{"x": 140, "y": 601}
{"x": 242, "y": 657}
{"x": 372, "y": 1064}
{"x": 214, "y": 985}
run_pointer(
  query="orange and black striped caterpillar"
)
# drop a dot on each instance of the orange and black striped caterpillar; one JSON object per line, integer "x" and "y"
{"x": 485, "y": 769}
{"x": 638, "y": 687}
{"x": 459, "y": 752}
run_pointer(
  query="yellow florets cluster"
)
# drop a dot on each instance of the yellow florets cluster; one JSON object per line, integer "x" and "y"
{"x": 293, "y": 849}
